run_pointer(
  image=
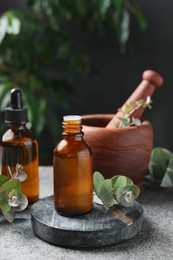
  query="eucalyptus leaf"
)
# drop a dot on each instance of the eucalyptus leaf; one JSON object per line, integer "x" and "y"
{"x": 129, "y": 181}
{"x": 124, "y": 122}
{"x": 120, "y": 182}
{"x": 129, "y": 197}
{"x": 20, "y": 175}
{"x": 134, "y": 189}
{"x": 141, "y": 102}
{"x": 9, "y": 215}
{"x": 4, "y": 201}
{"x": 136, "y": 121}
{"x": 10, "y": 185}
{"x": 106, "y": 194}
{"x": 158, "y": 163}
{"x": 167, "y": 180}
{"x": 125, "y": 197}
{"x": 13, "y": 200}
{"x": 17, "y": 200}
{"x": 3, "y": 179}
{"x": 23, "y": 203}
{"x": 114, "y": 179}
{"x": 98, "y": 180}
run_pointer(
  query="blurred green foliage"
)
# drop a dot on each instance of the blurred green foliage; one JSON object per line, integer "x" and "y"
{"x": 37, "y": 52}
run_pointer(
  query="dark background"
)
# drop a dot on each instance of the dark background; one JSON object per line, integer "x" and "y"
{"x": 116, "y": 75}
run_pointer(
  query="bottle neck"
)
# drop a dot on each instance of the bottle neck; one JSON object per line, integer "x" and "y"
{"x": 72, "y": 126}
{"x": 73, "y": 137}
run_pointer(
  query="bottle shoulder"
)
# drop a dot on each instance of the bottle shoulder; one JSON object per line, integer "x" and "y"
{"x": 67, "y": 147}
{"x": 18, "y": 135}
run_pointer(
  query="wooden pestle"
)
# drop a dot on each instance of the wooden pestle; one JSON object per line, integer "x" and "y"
{"x": 151, "y": 80}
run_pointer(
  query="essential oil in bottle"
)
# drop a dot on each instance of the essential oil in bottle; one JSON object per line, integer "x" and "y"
{"x": 73, "y": 170}
{"x": 19, "y": 146}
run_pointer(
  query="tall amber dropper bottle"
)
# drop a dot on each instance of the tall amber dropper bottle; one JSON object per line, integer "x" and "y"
{"x": 20, "y": 146}
{"x": 73, "y": 170}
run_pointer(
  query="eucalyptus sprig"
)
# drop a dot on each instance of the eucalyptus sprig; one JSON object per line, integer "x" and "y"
{"x": 117, "y": 190}
{"x": 11, "y": 197}
{"x": 129, "y": 109}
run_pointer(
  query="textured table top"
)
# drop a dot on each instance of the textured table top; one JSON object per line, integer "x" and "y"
{"x": 155, "y": 241}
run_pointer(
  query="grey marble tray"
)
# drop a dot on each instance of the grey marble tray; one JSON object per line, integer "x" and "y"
{"x": 98, "y": 228}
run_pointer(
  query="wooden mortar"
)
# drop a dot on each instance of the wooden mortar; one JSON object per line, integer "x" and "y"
{"x": 124, "y": 151}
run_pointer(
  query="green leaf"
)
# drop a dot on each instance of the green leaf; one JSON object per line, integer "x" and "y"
{"x": 159, "y": 162}
{"x": 13, "y": 26}
{"x": 140, "y": 18}
{"x": 129, "y": 107}
{"x": 9, "y": 215}
{"x": 4, "y": 93}
{"x": 114, "y": 179}
{"x": 136, "y": 121}
{"x": 17, "y": 200}
{"x": 98, "y": 180}
{"x": 167, "y": 180}
{"x": 124, "y": 33}
{"x": 118, "y": 3}
{"x": 134, "y": 189}
{"x": 3, "y": 179}
{"x": 129, "y": 181}
{"x": 105, "y": 4}
{"x": 4, "y": 195}
{"x": 3, "y": 26}
{"x": 124, "y": 197}
{"x": 106, "y": 194}
{"x": 10, "y": 24}
{"x": 20, "y": 175}
{"x": 120, "y": 182}
{"x": 141, "y": 102}
{"x": 124, "y": 122}
{"x": 13, "y": 198}
{"x": 5, "y": 101}
{"x": 10, "y": 185}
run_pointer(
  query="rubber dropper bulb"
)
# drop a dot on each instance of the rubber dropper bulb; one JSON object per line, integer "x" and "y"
{"x": 16, "y": 99}
{"x": 16, "y": 113}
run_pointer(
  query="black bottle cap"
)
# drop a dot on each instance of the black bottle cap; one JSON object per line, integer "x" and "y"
{"x": 16, "y": 113}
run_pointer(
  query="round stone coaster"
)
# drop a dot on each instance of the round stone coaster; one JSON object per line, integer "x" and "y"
{"x": 100, "y": 227}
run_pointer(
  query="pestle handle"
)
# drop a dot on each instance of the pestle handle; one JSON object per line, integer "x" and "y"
{"x": 151, "y": 80}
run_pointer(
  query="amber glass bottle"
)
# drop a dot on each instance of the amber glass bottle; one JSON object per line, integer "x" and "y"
{"x": 20, "y": 146}
{"x": 73, "y": 171}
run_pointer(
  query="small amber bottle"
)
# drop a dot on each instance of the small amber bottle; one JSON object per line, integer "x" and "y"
{"x": 73, "y": 171}
{"x": 20, "y": 146}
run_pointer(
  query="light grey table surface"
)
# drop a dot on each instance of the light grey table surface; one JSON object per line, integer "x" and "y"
{"x": 155, "y": 241}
